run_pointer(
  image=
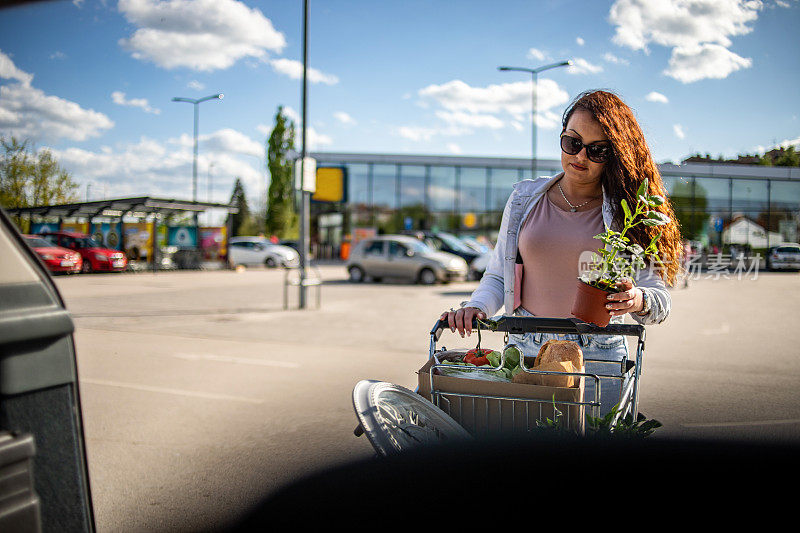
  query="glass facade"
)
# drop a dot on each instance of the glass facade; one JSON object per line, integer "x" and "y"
{"x": 727, "y": 205}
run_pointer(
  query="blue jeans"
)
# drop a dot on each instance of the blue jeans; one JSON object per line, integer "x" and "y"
{"x": 600, "y": 352}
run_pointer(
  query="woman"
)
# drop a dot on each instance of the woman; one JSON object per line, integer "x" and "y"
{"x": 549, "y": 222}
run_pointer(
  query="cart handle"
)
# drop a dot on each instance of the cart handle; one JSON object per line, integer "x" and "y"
{"x": 525, "y": 324}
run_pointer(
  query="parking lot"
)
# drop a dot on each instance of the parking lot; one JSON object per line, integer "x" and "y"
{"x": 201, "y": 394}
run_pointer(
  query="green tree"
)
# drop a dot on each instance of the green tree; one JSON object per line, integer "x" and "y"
{"x": 242, "y": 222}
{"x": 30, "y": 179}
{"x": 788, "y": 158}
{"x": 281, "y": 218}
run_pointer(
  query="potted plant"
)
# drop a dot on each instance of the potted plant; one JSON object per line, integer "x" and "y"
{"x": 618, "y": 258}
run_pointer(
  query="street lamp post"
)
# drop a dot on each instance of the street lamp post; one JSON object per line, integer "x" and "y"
{"x": 304, "y": 195}
{"x": 534, "y": 89}
{"x": 196, "y": 102}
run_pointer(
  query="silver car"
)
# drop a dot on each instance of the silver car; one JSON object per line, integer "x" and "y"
{"x": 400, "y": 256}
{"x": 260, "y": 251}
{"x": 784, "y": 257}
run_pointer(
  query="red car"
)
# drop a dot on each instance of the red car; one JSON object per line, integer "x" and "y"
{"x": 56, "y": 259}
{"x": 96, "y": 258}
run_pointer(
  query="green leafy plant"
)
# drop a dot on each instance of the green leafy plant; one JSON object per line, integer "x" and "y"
{"x": 619, "y": 258}
{"x": 625, "y": 427}
{"x": 603, "y": 427}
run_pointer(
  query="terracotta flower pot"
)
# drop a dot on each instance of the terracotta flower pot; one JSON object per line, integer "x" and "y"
{"x": 590, "y": 305}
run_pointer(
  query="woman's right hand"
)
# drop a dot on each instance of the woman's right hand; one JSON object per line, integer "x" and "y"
{"x": 461, "y": 319}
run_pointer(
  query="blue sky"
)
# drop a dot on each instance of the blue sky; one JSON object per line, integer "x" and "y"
{"x": 93, "y": 80}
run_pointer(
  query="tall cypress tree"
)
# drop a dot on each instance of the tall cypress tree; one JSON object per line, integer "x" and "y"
{"x": 281, "y": 219}
{"x": 240, "y": 220}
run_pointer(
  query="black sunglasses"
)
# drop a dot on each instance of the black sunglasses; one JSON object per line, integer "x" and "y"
{"x": 599, "y": 153}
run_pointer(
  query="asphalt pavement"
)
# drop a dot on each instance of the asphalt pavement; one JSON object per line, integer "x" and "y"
{"x": 201, "y": 394}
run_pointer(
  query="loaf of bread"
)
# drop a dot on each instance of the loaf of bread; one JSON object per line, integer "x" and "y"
{"x": 554, "y": 351}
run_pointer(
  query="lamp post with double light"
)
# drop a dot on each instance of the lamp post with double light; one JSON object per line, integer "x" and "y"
{"x": 534, "y": 89}
{"x": 196, "y": 102}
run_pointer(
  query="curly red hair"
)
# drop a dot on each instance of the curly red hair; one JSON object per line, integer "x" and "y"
{"x": 625, "y": 171}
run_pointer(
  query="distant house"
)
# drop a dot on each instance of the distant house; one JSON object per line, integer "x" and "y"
{"x": 743, "y": 231}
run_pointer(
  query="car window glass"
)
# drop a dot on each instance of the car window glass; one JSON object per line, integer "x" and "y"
{"x": 453, "y": 242}
{"x": 374, "y": 248}
{"x": 38, "y": 243}
{"x": 432, "y": 243}
{"x": 396, "y": 249}
{"x": 14, "y": 267}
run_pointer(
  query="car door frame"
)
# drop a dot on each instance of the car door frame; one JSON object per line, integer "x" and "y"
{"x": 39, "y": 389}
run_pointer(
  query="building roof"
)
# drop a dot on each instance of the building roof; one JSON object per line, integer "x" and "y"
{"x": 708, "y": 170}
{"x": 120, "y": 206}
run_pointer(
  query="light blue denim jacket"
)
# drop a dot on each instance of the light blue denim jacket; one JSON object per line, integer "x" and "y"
{"x": 496, "y": 287}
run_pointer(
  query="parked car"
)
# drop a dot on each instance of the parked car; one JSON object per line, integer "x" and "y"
{"x": 96, "y": 257}
{"x": 785, "y": 256}
{"x": 446, "y": 242}
{"x": 403, "y": 256}
{"x": 476, "y": 245}
{"x": 260, "y": 251}
{"x": 55, "y": 258}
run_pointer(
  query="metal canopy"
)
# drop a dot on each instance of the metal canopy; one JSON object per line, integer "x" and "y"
{"x": 143, "y": 204}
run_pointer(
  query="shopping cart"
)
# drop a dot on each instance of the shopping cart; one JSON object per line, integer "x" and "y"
{"x": 396, "y": 419}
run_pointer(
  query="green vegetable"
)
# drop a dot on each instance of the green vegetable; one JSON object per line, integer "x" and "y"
{"x": 512, "y": 356}
{"x": 494, "y": 358}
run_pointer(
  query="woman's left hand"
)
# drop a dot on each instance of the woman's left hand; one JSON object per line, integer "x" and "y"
{"x": 628, "y": 300}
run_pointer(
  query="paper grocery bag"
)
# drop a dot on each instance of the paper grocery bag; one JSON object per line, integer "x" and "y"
{"x": 489, "y": 408}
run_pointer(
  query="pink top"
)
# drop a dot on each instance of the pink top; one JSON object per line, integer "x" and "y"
{"x": 551, "y": 242}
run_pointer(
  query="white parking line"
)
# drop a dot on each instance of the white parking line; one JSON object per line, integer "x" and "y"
{"x": 724, "y": 329}
{"x": 230, "y": 359}
{"x": 743, "y": 424}
{"x": 164, "y": 390}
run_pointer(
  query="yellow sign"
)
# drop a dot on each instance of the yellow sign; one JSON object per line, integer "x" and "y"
{"x": 470, "y": 220}
{"x": 330, "y": 185}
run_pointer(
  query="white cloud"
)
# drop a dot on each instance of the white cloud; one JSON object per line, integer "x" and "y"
{"x": 294, "y": 69}
{"x": 9, "y": 71}
{"x": 535, "y": 53}
{"x": 654, "y": 96}
{"x": 119, "y": 98}
{"x": 512, "y": 98}
{"x": 152, "y": 167}
{"x": 28, "y": 112}
{"x": 579, "y": 65}
{"x": 203, "y": 35}
{"x": 698, "y": 31}
{"x": 689, "y": 64}
{"x": 788, "y": 142}
{"x": 416, "y": 133}
{"x": 611, "y": 58}
{"x": 58, "y": 54}
{"x": 230, "y": 141}
{"x": 344, "y": 118}
{"x": 453, "y": 148}
{"x": 463, "y": 109}
{"x": 580, "y": 41}
{"x": 470, "y": 120}
{"x": 678, "y": 130}
{"x": 195, "y": 85}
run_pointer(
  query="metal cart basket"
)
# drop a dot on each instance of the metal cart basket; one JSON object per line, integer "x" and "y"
{"x": 445, "y": 409}
{"x": 479, "y": 412}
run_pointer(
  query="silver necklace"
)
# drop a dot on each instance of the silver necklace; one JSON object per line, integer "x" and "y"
{"x": 573, "y": 208}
